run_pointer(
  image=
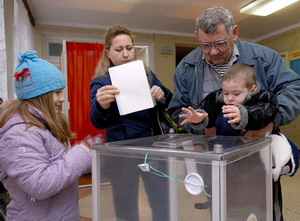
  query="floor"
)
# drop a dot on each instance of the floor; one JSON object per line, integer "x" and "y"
{"x": 290, "y": 187}
{"x": 85, "y": 203}
{"x": 291, "y": 197}
{"x": 85, "y": 198}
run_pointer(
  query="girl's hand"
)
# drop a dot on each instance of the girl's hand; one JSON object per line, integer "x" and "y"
{"x": 88, "y": 142}
{"x": 157, "y": 93}
{"x": 106, "y": 95}
{"x": 232, "y": 112}
{"x": 192, "y": 116}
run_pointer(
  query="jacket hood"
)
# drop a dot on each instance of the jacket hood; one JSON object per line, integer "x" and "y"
{"x": 16, "y": 119}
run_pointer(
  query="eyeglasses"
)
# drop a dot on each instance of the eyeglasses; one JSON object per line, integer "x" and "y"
{"x": 220, "y": 45}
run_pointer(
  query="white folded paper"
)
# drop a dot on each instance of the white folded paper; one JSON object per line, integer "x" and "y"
{"x": 132, "y": 82}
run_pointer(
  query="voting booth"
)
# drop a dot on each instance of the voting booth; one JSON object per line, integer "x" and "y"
{"x": 218, "y": 178}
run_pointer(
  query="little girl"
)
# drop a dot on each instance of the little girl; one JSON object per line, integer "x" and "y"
{"x": 38, "y": 167}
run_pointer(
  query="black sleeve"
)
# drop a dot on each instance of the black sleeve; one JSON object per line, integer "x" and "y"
{"x": 212, "y": 104}
{"x": 262, "y": 109}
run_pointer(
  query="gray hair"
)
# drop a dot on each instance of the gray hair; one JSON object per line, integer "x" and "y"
{"x": 211, "y": 18}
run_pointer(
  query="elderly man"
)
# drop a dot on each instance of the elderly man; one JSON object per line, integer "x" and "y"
{"x": 200, "y": 73}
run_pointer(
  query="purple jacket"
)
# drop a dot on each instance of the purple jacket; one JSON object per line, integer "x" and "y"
{"x": 39, "y": 174}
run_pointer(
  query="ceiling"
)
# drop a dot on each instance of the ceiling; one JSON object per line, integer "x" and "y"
{"x": 175, "y": 17}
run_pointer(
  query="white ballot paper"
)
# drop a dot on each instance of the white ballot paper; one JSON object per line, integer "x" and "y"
{"x": 132, "y": 82}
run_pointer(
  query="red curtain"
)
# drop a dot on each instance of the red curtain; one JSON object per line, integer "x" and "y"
{"x": 82, "y": 59}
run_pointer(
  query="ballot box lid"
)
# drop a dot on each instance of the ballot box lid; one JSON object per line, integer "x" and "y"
{"x": 187, "y": 145}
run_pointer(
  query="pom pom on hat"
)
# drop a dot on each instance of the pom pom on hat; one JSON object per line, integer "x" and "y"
{"x": 35, "y": 76}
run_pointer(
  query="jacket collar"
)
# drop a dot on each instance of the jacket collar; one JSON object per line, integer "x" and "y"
{"x": 194, "y": 56}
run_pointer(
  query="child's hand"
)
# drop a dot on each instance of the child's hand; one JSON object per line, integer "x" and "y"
{"x": 192, "y": 116}
{"x": 87, "y": 142}
{"x": 232, "y": 112}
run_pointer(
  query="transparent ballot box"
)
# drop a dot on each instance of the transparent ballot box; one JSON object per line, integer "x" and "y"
{"x": 183, "y": 177}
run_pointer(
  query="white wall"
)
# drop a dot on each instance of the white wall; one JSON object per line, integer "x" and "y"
{"x": 17, "y": 35}
{"x": 3, "y": 69}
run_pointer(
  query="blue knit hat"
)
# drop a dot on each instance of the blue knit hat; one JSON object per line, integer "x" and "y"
{"x": 35, "y": 76}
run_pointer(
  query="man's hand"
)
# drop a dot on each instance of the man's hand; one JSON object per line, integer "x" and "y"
{"x": 261, "y": 132}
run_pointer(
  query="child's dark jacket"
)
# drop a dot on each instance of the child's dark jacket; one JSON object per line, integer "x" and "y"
{"x": 257, "y": 111}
